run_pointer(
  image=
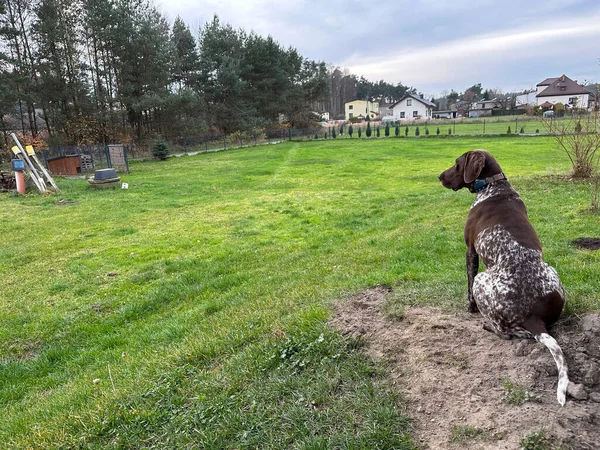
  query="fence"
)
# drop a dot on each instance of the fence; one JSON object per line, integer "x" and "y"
{"x": 95, "y": 156}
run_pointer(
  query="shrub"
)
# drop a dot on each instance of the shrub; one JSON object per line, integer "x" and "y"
{"x": 449, "y": 130}
{"x": 368, "y": 128}
{"x": 438, "y": 131}
{"x": 406, "y": 131}
{"x": 522, "y": 130}
{"x": 333, "y": 135}
{"x": 397, "y": 130}
{"x": 341, "y": 129}
{"x": 316, "y": 136}
{"x": 350, "y": 131}
{"x": 417, "y": 132}
{"x": 426, "y": 131}
{"x": 325, "y": 135}
{"x": 387, "y": 129}
{"x": 377, "y": 132}
{"x": 160, "y": 149}
{"x": 359, "y": 132}
{"x": 508, "y": 130}
{"x": 537, "y": 130}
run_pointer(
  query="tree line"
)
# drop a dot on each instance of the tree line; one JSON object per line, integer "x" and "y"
{"x": 83, "y": 71}
{"x": 88, "y": 71}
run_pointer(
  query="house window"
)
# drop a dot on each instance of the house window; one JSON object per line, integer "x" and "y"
{"x": 572, "y": 100}
{"x": 409, "y": 102}
{"x": 351, "y": 115}
{"x": 415, "y": 113}
{"x": 350, "y": 107}
{"x": 402, "y": 115}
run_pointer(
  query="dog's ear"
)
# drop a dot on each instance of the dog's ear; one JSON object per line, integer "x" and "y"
{"x": 473, "y": 166}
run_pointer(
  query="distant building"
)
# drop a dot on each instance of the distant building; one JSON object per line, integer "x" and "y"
{"x": 562, "y": 90}
{"x": 526, "y": 98}
{"x": 361, "y": 109}
{"x": 483, "y": 108}
{"x": 385, "y": 109}
{"x": 412, "y": 107}
{"x": 322, "y": 115}
{"x": 445, "y": 114}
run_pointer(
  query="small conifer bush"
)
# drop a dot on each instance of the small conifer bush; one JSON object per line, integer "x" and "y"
{"x": 160, "y": 150}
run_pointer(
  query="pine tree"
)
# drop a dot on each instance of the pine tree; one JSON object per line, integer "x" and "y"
{"x": 417, "y": 132}
{"x": 387, "y": 129}
{"x": 186, "y": 62}
{"x": 508, "y": 131}
{"x": 333, "y": 135}
{"x": 368, "y": 128}
{"x": 449, "y": 130}
{"x": 406, "y": 131}
{"x": 377, "y": 132}
{"x": 438, "y": 131}
{"x": 397, "y": 130}
{"x": 350, "y": 131}
{"x": 426, "y": 131}
{"x": 359, "y": 132}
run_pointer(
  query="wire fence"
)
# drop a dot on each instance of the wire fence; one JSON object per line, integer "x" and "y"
{"x": 96, "y": 156}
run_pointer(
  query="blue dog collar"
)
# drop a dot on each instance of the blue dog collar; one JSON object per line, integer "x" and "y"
{"x": 480, "y": 185}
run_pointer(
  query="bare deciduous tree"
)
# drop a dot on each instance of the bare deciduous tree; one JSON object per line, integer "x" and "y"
{"x": 578, "y": 136}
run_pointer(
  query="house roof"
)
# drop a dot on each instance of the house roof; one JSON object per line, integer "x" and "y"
{"x": 416, "y": 97}
{"x": 563, "y": 86}
{"x": 547, "y": 81}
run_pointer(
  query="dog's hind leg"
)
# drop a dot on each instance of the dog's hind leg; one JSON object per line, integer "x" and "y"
{"x": 490, "y": 326}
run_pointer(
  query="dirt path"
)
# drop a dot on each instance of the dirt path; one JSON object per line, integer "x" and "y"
{"x": 467, "y": 388}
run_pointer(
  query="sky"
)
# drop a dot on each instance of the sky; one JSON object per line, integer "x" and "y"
{"x": 434, "y": 45}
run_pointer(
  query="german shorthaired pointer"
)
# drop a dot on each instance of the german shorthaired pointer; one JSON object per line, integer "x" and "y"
{"x": 518, "y": 294}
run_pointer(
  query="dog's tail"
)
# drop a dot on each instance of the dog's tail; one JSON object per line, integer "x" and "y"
{"x": 559, "y": 359}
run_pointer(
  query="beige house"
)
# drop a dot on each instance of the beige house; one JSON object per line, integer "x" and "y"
{"x": 361, "y": 109}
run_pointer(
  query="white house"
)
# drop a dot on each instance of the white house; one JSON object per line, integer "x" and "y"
{"x": 562, "y": 90}
{"x": 526, "y": 98}
{"x": 412, "y": 107}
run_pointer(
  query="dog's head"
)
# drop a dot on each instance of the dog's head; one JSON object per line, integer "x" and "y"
{"x": 468, "y": 167}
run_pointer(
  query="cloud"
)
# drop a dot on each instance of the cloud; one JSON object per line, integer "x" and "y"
{"x": 480, "y": 56}
{"x": 431, "y": 45}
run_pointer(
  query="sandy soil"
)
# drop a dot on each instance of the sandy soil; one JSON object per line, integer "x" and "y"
{"x": 454, "y": 374}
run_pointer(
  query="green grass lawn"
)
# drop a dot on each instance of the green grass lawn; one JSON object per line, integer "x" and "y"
{"x": 493, "y": 125}
{"x": 190, "y": 310}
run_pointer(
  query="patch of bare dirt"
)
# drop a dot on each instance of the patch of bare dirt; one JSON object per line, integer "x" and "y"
{"x": 587, "y": 243}
{"x": 454, "y": 374}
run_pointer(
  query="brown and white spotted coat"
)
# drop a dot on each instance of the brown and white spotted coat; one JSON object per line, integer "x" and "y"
{"x": 517, "y": 294}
